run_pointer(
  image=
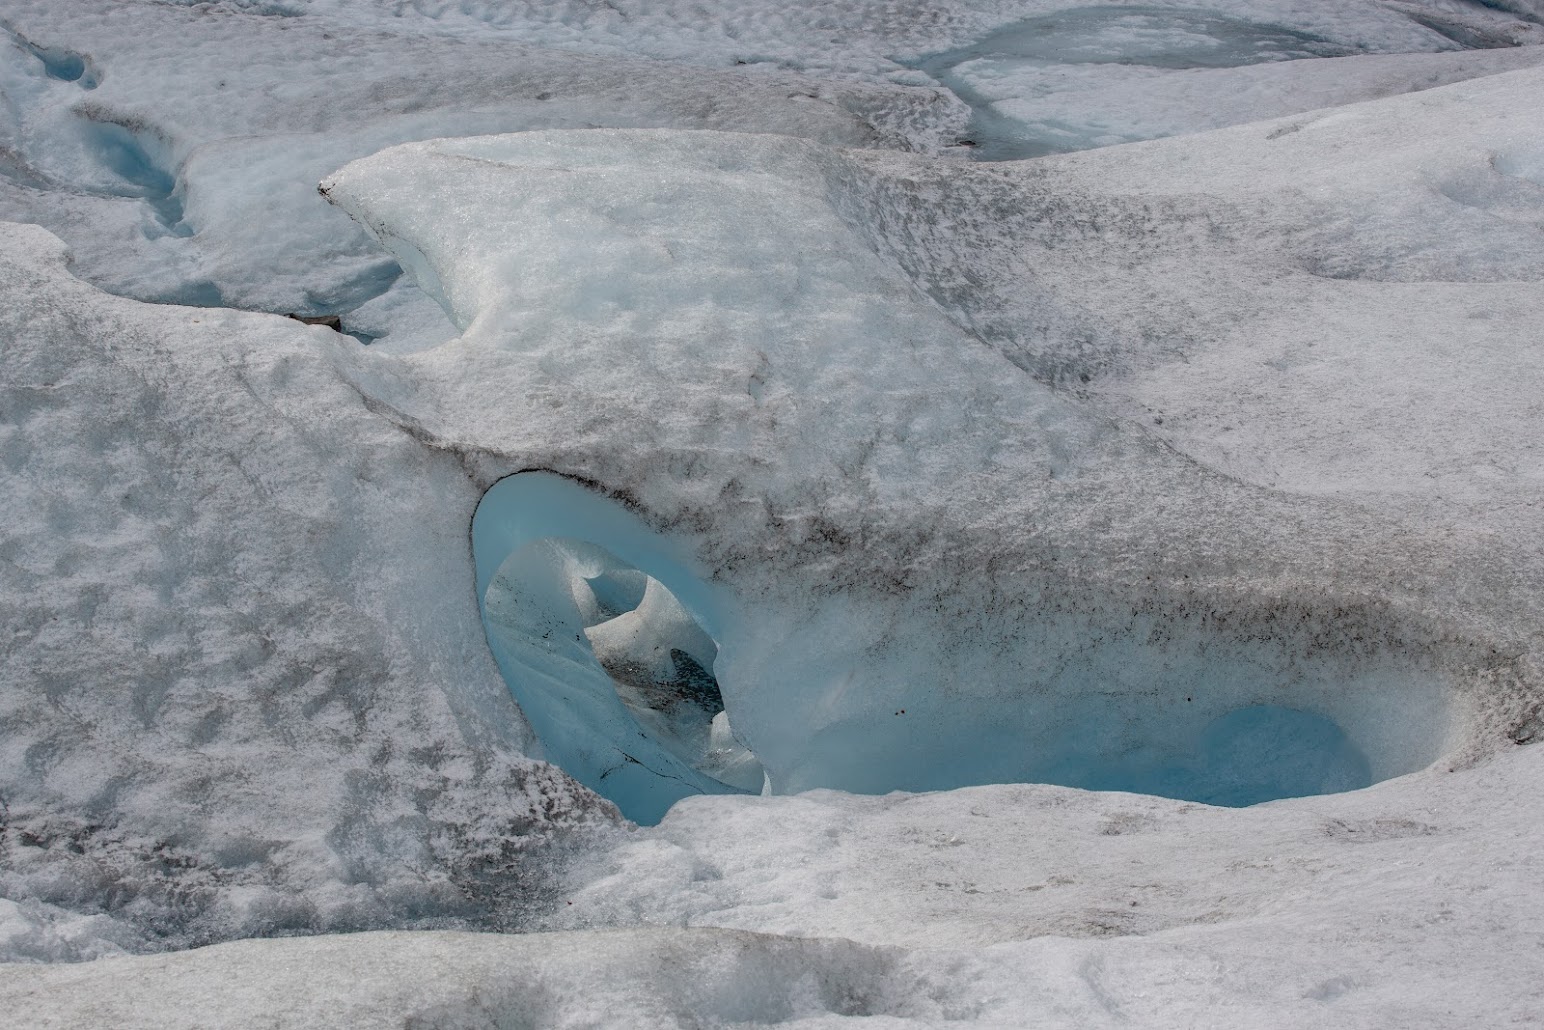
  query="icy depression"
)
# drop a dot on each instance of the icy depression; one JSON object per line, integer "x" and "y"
{"x": 751, "y": 555}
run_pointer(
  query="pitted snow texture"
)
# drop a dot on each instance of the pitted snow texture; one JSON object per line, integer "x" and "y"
{"x": 646, "y": 979}
{"x": 229, "y": 707}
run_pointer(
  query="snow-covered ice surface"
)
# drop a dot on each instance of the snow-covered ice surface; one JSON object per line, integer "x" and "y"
{"x": 694, "y": 376}
{"x": 1004, "y": 906}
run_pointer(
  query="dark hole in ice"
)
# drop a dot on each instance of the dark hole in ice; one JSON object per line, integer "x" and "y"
{"x": 333, "y": 322}
{"x": 695, "y": 685}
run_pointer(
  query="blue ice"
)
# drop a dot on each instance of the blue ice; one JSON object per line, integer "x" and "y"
{"x": 609, "y": 643}
{"x": 557, "y": 566}
{"x": 125, "y": 154}
{"x": 1249, "y": 756}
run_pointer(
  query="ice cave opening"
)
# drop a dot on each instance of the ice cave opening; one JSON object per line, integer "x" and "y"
{"x": 604, "y": 639}
{"x": 612, "y": 647}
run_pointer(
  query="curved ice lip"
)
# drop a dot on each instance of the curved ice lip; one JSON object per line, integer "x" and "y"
{"x": 1138, "y": 36}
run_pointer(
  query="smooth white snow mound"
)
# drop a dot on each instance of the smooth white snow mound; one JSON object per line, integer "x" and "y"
{"x": 1411, "y": 904}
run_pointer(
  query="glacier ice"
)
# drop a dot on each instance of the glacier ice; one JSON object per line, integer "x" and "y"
{"x": 1204, "y": 465}
{"x": 619, "y": 680}
{"x": 1030, "y": 677}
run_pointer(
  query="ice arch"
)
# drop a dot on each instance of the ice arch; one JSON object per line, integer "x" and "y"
{"x": 606, "y": 640}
